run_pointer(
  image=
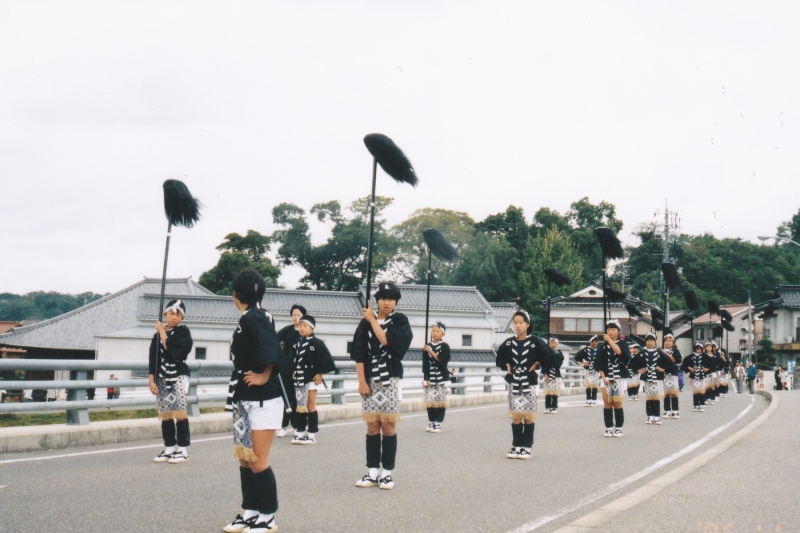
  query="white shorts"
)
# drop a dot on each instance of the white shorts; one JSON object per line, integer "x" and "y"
{"x": 313, "y": 386}
{"x": 268, "y": 417}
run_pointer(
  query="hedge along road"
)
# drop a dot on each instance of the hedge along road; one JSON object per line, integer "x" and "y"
{"x": 458, "y": 480}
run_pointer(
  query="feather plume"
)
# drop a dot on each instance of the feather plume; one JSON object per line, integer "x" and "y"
{"x": 181, "y": 208}
{"x": 439, "y": 246}
{"x": 725, "y": 315}
{"x": 691, "y": 300}
{"x": 633, "y": 310}
{"x": 713, "y": 307}
{"x": 391, "y": 158}
{"x": 657, "y": 314}
{"x": 668, "y": 330}
{"x": 718, "y": 331}
{"x": 657, "y": 324}
{"x": 614, "y": 295}
{"x": 557, "y": 277}
{"x": 727, "y": 325}
{"x": 609, "y": 243}
{"x": 670, "y": 275}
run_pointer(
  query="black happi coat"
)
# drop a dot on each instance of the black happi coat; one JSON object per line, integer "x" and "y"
{"x": 398, "y": 338}
{"x": 640, "y": 361}
{"x": 671, "y": 367}
{"x": 443, "y": 353}
{"x": 179, "y": 346}
{"x": 712, "y": 362}
{"x": 540, "y": 353}
{"x": 316, "y": 358}
{"x": 689, "y": 362}
{"x": 288, "y": 337}
{"x": 255, "y": 346}
{"x": 584, "y": 355}
{"x": 606, "y": 358}
{"x": 723, "y": 365}
{"x": 553, "y": 367}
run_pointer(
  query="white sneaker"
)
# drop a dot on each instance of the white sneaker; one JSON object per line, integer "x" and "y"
{"x": 437, "y": 428}
{"x": 280, "y": 433}
{"x": 617, "y": 432}
{"x": 524, "y": 454}
{"x": 263, "y": 527}
{"x": 306, "y": 440}
{"x": 675, "y": 414}
{"x": 513, "y": 454}
{"x": 386, "y": 483}
{"x": 366, "y": 481}
{"x": 609, "y": 433}
{"x": 554, "y": 411}
{"x": 299, "y": 439}
{"x": 649, "y": 420}
{"x": 239, "y": 524}
{"x": 178, "y": 457}
{"x": 163, "y": 457}
{"x": 429, "y": 429}
{"x": 657, "y": 421}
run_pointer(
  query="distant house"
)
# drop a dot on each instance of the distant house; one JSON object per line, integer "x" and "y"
{"x": 708, "y": 327}
{"x": 6, "y": 326}
{"x": 502, "y": 313}
{"x": 781, "y": 316}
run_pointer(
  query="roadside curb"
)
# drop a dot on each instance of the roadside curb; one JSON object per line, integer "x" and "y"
{"x": 61, "y": 436}
{"x": 595, "y": 519}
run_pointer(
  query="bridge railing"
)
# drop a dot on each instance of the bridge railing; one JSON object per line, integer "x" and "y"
{"x": 474, "y": 377}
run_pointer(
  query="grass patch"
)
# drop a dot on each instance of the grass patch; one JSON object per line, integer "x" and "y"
{"x": 8, "y": 420}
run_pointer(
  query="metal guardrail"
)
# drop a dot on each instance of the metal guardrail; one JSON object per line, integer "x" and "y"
{"x": 484, "y": 376}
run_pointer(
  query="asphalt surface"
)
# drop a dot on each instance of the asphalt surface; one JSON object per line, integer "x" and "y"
{"x": 458, "y": 480}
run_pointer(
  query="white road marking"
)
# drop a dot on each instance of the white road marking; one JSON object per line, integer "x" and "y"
{"x": 536, "y": 524}
{"x": 3, "y": 486}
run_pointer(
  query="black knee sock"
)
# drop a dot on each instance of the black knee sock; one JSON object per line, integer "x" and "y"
{"x": 656, "y": 408}
{"x": 301, "y": 421}
{"x": 555, "y": 402}
{"x": 389, "y": 452}
{"x": 168, "y": 432}
{"x": 267, "y": 491}
{"x": 667, "y": 403}
{"x": 313, "y": 422}
{"x": 374, "y": 451}
{"x": 608, "y": 416}
{"x": 698, "y": 399}
{"x": 636, "y": 390}
{"x": 431, "y": 414}
{"x": 249, "y": 492}
{"x": 547, "y": 401}
{"x": 648, "y": 407}
{"x": 184, "y": 438}
{"x": 619, "y": 417}
{"x": 440, "y": 414}
{"x": 527, "y": 435}
{"x": 286, "y": 419}
{"x": 594, "y": 394}
{"x": 516, "y": 433}
{"x": 588, "y": 394}
{"x": 674, "y": 403}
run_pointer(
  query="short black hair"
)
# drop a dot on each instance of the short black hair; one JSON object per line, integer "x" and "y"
{"x": 526, "y": 317}
{"x": 387, "y": 291}
{"x": 299, "y": 308}
{"x": 248, "y": 286}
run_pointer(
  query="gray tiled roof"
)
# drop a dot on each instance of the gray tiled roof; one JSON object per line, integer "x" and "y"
{"x": 784, "y": 296}
{"x": 457, "y": 356}
{"x": 76, "y": 330}
{"x": 502, "y": 313}
{"x": 443, "y": 298}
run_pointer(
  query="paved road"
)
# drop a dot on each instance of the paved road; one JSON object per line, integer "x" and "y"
{"x": 458, "y": 480}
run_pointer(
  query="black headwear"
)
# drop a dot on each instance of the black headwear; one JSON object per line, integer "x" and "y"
{"x": 387, "y": 291}
{"x": 177, "y": 306}
{"x": 299, "y": 308}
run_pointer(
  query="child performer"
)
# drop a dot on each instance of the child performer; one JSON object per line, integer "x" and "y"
{"x": 586, "y": 357}
{"x": 671, "y": 384}
{"x": 379, "y": 345}
{"x": 551, "y": 372}
{"x": 724, "y": 367}
{"x": 288, "y": 337}
{"x": 711, "y": 376}
{"x": 435, "y": 357}
{"x": 254, "y": 396}
{"x": 169, "y": 381}
{"x": 696, "y": 365}
{"x": 311, "y": 360}
{"x": 650, "y": 365}
{"x": 520, "y": 356}
{"x": 633, "y": 381}
{"x": 612, "y": 363}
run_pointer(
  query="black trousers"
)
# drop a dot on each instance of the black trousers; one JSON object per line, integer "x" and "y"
{"x": 168, "y": 432}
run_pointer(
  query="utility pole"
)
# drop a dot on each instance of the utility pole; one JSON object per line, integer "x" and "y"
{"x": 671, "y": 222}
{"x": 751, "y": 352}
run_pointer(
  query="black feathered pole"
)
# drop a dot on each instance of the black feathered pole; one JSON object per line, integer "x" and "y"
{"x": 554, "y": 276}
{"x": 182, "y": 209}
{"x": 395, "y": 163}
{"x": 611, "y": 248}
{"x": 693, "y": 305}
{"x": 441, "y": 248}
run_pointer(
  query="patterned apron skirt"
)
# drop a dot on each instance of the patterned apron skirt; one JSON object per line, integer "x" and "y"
{"x": 653, "y": 390}
{"x": 671, "y": 387}
{"x": 698, "y": 386}
{"x": 301, "y": 397}
{"x": 435, "y": 395}
{"x": 711, "y": 381}
{"x": 617, "y": 388}
{"x": 524, "y": 405}
{"x": 550, "y": 386}
{"x": 633, "y": 381}
{"x": 591, "y": 379}
{"x": 722, "y": 380}
{"x": 172, "y": 401}
{"x": 383, "y": 402}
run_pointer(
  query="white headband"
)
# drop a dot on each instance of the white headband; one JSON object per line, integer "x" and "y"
{"x": 308, "y": 322}
{"x": 176, "y": 307}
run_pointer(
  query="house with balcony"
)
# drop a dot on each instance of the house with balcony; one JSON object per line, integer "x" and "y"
{"x": 781, "y": 324}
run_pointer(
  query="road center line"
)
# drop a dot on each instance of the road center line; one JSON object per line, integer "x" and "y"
{"x": 536, "y": 524}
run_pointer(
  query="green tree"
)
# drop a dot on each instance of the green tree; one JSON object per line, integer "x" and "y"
{"x": 791, "y": 229}
{"x": 584, "y": 217}
{"x": 765, "y": 355}
{"x": 488, "y": 263}
{"x": 237, "y": 253}
{"x": 411, "y": 262}
{"x": 510, "y": 225}
{"x": 546, "y": 218}
{"x": 552, "y": 250}
{"x": 341, "y": 262}
{"x": 40, "y": 305}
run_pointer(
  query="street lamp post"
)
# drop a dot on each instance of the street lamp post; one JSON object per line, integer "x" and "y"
{"x": 782, "y": 239}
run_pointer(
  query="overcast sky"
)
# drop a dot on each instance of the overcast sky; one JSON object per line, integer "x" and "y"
{"x": 495, "y": 103}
